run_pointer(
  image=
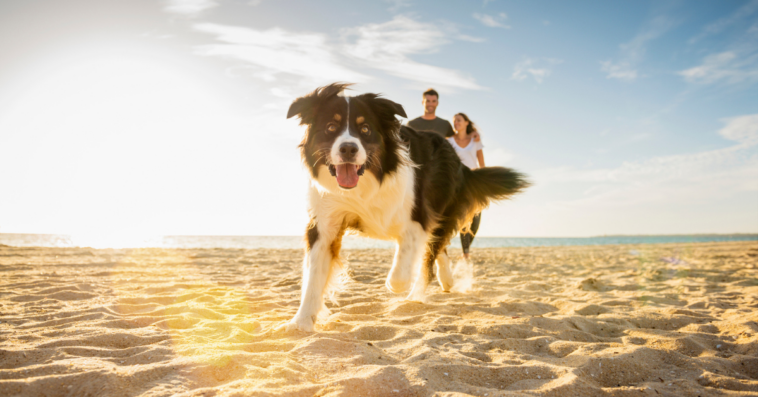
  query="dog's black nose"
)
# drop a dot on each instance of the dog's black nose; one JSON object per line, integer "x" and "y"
{"x": 348, "y": 150}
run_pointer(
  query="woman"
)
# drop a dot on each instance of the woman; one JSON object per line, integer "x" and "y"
{"x": 468, "y": 145}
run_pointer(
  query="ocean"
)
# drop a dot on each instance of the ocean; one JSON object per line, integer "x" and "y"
{"x": 350, "y": 242}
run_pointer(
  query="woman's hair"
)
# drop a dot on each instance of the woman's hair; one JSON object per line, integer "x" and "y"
{"x": 470, "y": 127}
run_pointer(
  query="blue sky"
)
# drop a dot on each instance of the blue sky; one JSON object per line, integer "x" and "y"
{"x": 168, "y": 117}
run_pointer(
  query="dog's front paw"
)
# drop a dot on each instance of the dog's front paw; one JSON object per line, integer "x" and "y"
{"x": 299, "y": 323}
{"x": 418, "y": 293}
{"x": 397, "y": 286}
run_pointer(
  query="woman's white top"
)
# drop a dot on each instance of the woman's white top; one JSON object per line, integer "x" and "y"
{"x": 468, "y": 153}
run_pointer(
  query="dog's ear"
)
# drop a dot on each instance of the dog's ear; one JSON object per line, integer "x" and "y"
{"x": 385, "y": 111}
{"x": 391, "y": 107}
{"x": 306, "y": 106}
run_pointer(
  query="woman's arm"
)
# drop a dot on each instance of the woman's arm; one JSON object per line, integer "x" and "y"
{"x": 480, "y": 157}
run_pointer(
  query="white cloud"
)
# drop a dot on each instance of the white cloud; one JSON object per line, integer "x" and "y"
{"x": 635, "y": 49}
{"x": 465, "y": 37}
{"x": 499, "y": 156}
{"x": 311, "y": 59}
{"x": 726, "y": 67}
{"x": 743, "y": 13}
{"x": 495, "y": 21}
{"x": 620, "y": 70}
{"x": 307, "y": 56}
{"x": 633, "y": 52}
{"x": 396, "y": 5}
{"x": 743, "y": 129}
{"x": 387, "y": 46}
{"x": 737, "y": 62}
{"x": 535, "y": 68}
{"x": 704, "y": 175}
{"x": 189, "y": 7}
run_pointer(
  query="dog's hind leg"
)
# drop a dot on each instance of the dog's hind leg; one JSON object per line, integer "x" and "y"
{"x": 439, "y": 240}
{"x": 409, "y": 249}
{"x": 444, "y": 272}
{"x": 318, "y": 268}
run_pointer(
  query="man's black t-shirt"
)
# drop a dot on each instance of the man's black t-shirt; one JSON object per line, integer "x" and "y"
{"x": 438, "y": 125}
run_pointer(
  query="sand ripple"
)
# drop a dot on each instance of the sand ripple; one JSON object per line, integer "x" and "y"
{"x": 676, "y": 319}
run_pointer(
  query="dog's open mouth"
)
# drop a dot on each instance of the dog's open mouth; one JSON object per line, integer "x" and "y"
{"x": 347, "y": 174}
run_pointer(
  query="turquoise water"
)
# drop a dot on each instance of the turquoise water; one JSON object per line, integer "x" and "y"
{"x": 350, "y": 242}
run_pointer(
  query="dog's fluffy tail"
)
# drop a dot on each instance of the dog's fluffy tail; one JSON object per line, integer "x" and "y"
{"x": 484, "y": 185}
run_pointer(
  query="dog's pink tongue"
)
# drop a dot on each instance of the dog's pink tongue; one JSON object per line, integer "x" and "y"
{"x": 346, "y": 175}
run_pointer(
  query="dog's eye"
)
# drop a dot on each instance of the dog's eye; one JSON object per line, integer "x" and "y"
{"x": 365, "y": 129}
{"x": 331, "y": 127}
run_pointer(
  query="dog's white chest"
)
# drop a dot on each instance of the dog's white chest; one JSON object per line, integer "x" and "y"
{"x": 382, "y": 211}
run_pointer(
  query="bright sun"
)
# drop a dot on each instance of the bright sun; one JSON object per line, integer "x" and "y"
{"x": 101, "y": 134}
{"x": 116, "y": 146}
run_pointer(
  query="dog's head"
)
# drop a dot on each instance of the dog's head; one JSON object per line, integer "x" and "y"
{"x": 348, "y": 136}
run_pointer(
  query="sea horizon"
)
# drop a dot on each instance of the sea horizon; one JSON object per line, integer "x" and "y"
{"x": 349, "y": 242}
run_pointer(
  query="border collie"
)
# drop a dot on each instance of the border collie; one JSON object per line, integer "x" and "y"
{"x": 370, "y": 175}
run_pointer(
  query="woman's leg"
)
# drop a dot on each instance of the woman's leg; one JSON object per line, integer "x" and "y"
{"x": 468, "y": 238}
{"x": 475, "y": 224}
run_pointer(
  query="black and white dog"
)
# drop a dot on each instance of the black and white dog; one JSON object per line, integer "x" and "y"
{"x": 382, "y": 180}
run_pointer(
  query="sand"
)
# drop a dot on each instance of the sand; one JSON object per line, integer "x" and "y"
{"x": 648, "y": 320}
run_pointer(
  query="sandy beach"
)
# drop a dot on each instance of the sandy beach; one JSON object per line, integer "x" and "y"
{"x": 646, "y": 320}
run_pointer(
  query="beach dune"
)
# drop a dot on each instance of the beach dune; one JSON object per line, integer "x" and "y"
{"x": 625, "y": 320}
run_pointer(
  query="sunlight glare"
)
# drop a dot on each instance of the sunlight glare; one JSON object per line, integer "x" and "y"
{"x": 113, "y": 240}
{"x": 133, "y": 141}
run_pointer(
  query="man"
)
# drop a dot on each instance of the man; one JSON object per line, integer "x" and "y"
{"x": 429, "y": 121}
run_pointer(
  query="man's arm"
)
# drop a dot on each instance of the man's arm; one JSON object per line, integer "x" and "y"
{"x": 450, "y": 131}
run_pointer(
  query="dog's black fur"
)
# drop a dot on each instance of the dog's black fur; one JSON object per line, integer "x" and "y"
{"x": 445, "y": 194}
{"x": 447, "y": 191}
